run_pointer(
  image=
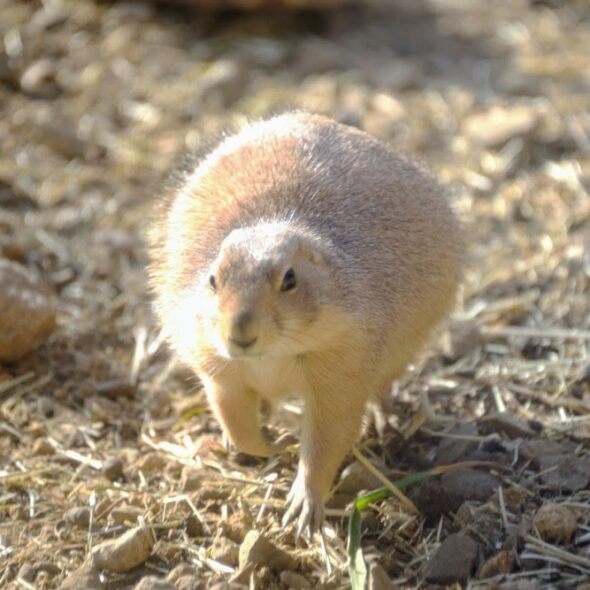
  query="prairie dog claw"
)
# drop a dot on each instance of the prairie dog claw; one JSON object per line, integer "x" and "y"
{"x": 305, "y": 507}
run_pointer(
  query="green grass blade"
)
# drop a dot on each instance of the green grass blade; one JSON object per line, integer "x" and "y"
{"x": 357, "y": 568}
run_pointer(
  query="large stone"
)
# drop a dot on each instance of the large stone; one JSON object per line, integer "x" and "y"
{"x": 27, "y": 316}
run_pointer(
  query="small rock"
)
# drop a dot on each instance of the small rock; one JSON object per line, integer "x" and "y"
{"x": 125, "y": 515}
{"x": 294, "y": 581}
{"x": 454, "y": 561}
{"x": 182, "y": 570}
{"x": 432, "y": 500}
{"x": 126, "y": 552}
{"x": 65, "y": 139}
{"x": 497, "y": 125}
{"x": 43, "y": 447}
{"x": 26, "y": 315}
{"x": 113, "y": 469}
{"x": 378, "y": 578}
{"x": 465, "y": 515}
{"x": 47, "y": 18}
{"x": 190, "y": 582}
{"x": 565, "y": 472}
{"x": 18, "y": 512}
{"x": 193, "y": 526}
{"x": 116, "y": 389}
{"x": 153, "y": 583}
{"x": 39, "y": 79}
{"x": 191, "y": 479}
{"x": 315, "y": 56}
{"x": 151, "y": 463}
{"x": 534, "y": 450}
{"x": 469, "y": 484}
{"x": 501, "y": 563}
{"x": 237, "y": 526}
{"x": 355, "y": 478}
{"x": 223, "y": 82}
{"x": 450, "y": 450}
{"x": 27, "y": 572}
{"x": 225, "y": 550}
{"x": 258, "y": 550}
{"x": 555, "y": 523}
{"x": 86, "y": 577}
{"x": 506, "y": 423}
{"x": 462, "y": 339}
{"x": 78, "y": 517}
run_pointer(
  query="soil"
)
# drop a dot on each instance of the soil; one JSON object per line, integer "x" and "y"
{"x": 112, "y": 471}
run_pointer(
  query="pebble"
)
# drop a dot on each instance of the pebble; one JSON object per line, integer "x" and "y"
{"x": 125, "y": 552}
{"x": 294, "y": 581}
{"x": 507, "y": 424}
{"x": 469, "y": 484}
{"x": 124, "y": 515}
{"x": 256, "y": 549}
{"x": 39, "y": 79}
{"x": 191, "y": 479}
{"x": 116, "y": 389}
{"x": 85, "y": 577}
{"x": 565, "y": 472}
{"x": 113, "y": 469}
{"x": 501, "y": 563}
{"x": 27, "y": 317}
{"x": 42, "y": 447}
{"x": 64, "y": 139}
{"x": 153, "y": 583}
{"x": 454, "y": 561}
{"x": 193, "y": 526}
{"x": 555, "y": 523}
{"x": 355, "y": 478}
{"x": 378, "y": 578}
{"x": 225, "y": 550}
{"x": 451, "y": 449}
{"x": 534, "y": 450}
{"x": 78, "y": 517}
{"x": 182, "y": 571}
{"x": 151, "y": 463}
{"x": 496, "y": 126}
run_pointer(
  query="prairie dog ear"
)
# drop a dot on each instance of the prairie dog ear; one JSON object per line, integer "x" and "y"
{"x": 310, "y": 252}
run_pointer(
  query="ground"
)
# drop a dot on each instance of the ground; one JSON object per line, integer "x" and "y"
{"x": 101, "y": 430}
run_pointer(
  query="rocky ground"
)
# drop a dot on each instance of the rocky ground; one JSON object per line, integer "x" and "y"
{"x": 112, "y": 472}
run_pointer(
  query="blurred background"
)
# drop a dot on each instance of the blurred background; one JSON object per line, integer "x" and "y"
{"x": 98, "y": 103}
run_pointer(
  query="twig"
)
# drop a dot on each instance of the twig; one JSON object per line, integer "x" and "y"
{"x": 385, "y": 481}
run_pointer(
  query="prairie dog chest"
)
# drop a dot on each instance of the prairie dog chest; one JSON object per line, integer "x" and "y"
{"x": 274, "y": 378}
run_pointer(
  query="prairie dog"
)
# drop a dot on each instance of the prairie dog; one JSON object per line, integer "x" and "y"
{"x": 304, "y": 257}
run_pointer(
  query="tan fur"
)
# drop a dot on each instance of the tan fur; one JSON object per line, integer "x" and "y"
{"x": 376, "y": 252}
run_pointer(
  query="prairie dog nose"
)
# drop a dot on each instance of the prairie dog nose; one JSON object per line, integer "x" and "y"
{"x": 243, "y": 330}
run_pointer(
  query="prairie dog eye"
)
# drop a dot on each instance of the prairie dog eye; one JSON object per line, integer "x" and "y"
{"x": 289, "y": 281}
{"x": 213, "y": 282}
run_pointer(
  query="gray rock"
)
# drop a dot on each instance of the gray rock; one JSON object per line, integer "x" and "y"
{"x": 454, "y": 561}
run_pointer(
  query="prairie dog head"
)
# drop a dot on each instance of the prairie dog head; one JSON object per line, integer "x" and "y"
{"x": 263, "y": 293}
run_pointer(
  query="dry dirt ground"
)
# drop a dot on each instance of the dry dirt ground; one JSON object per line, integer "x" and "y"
{"x": 102, "y": 433}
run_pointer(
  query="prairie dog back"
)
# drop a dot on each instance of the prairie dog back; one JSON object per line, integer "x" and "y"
{"x": 310, "y": 253}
